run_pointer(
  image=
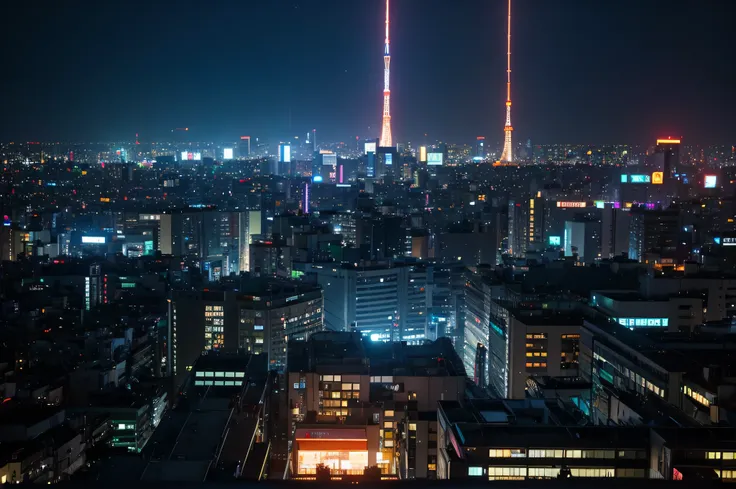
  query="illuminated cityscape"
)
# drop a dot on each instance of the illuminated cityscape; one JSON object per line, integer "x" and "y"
{"x": 196, "y": 289}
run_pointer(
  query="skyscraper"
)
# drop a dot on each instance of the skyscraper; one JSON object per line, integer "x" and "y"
{"x": 386, "y": 139}
{"x": 508, "y": 153}
{"x": 669, "y": 161}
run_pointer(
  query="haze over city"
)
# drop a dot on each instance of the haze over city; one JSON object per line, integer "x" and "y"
{"x": 584, "y": 72}
{"x": 434, "y": 243}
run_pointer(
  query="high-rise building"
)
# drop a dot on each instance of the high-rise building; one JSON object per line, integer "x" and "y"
{"x": 382, "y": 301}
{"x": 258, "y": 316}
{"x": 667, "y": 156}
{"x": 655, "y": 232}
{"x": 386, "y": 137}
{"x": 582, "y": 237}
{"x": 480, "y": 147}
{"x": 355, "y": 403}
{"x": 244, "y": 146}
{"x": 507, "y": 156}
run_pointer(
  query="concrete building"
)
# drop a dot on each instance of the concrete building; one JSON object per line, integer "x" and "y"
{"x": 719, "y": 288}
{"x": 505, "y": 440}
{"x": 259, "y": 317}
{"x": 507, "y": 341}
{"x": 356, "y": 403}
{"x": 680, "y": 312}
{"x": 382, "y": 300}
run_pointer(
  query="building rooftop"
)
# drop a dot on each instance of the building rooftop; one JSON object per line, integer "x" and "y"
{"x": 350, "y": 353}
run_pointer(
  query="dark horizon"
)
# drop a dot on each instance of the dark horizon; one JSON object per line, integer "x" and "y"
{"x": 623, "y": 73}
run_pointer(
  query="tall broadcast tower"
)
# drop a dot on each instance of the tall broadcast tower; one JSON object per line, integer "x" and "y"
{"x": 508, "y": 151}
{"x": 386, "y": 140}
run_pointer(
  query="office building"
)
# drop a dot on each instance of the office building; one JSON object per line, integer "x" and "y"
{"x": 667, "y": 157}
{"x": 383, "y": 301}
{"x": 348, "y": 397}
{"x": 505, "y": 440}
{"x": 582, "y": 238}
{"x": 655, "y": 233}
{"x": 676, "y": 312}
{"x": 258, "y": 318}
{"x": 244, "y": 147}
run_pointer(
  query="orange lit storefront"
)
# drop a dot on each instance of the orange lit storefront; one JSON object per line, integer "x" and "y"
{"x": 344, "y": 450}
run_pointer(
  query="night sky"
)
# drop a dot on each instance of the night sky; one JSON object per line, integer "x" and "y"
{"x": 585, "y": 71}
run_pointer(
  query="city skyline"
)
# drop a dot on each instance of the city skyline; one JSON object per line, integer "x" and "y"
{"x": 625, "y": 74}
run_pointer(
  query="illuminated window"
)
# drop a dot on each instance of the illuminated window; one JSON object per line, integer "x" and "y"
{"x": 546, "y": 453}
{"x": 389, "y": 413}
{"x": 713, "y": 455}
{"x": 543, "y": 472}
{"x": 727, "y": 474}
{"x": 506, "y": 453}
{"x": 412, "y": 426}
{"x": 506, "y": 473}
{"x": 475, "y": 471}
{"x": 597, "y": 472}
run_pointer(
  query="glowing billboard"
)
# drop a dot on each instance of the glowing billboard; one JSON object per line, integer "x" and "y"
{"x": 640, "y": 178}
{"x": 370, "y": 147}
{"x": 657, "y": 178}
{"x": 555, "y": 241}
{"x": 710, "y": 181}
{"x": 93, "y": 239}
{"x": 434, "y": 159}
{"x": 389, "y": 159}
{"x": 227, "y": 153}
{"x": 574, "y": 205}
{"x": 422, "y": 154}
{"x": 191, "y": 156}
{"x": 644, "y": 322}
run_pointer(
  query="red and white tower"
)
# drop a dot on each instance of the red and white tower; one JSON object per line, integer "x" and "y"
{"x": 386, "y": 139}
{"x": 508, "y": 151}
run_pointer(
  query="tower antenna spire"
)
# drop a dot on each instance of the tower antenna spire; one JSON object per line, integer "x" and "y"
{"x": 507, "y": 156}
{"x": 386, "y": 138}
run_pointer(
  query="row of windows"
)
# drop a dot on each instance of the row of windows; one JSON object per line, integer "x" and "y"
{"x": 334, "y": 412}
{"x": 720, "y": 455}
{"x": 337, "y": 403}
{"x": 217, "y": 383}
{"x": 536, "y": 336}
{"x": 536, "y": 354}
{"x": 330, "y": 378}
{"x": 510, "y": 473}
{"x": 536, "y": 364}
{"x": 697, "y": 396}
{"x": 237, "y": 375}
{"x": 572, "y": 454}
{"x": 641, "y": 382}
{"x": 386, "y": 379}
{"x": 542, "y": 453}
{"x": 506, "y": 453}
{"x": 339, "y": 395}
